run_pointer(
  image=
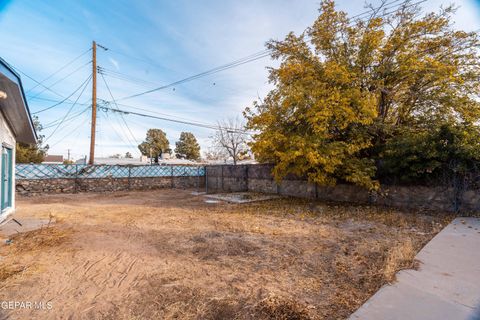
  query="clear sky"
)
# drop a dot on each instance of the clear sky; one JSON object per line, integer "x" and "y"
{"x": 154, "y": 43}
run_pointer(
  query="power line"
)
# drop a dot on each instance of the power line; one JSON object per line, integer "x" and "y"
{"x": 74, "y": 116}
{"x": 403, "y": 5}
{"x": 70, "y": 132}
{"x": 146, "y": 61}
{"x": 105, "y": 102}
{"x": 66, "y": 98}
{"x": 69, "y": 110}
{"x": 145, "y": 83}
{"x": 61, "y": 79}
{"x": 385, "y": 5}
{"x": 168, "y": 117}
{"x": 196, "y": 124}
{"x": 113, "y": 99}
{"x": 369, "y": 11}
{"x": 41, "y": 84}
{"x": 60, "y": 69}
{"x": 120, "y": 115}
{"x": 75, "y": 139}
{"x": 263, "y": 53}
{"x": 53, "y": 100}
{"x": 118, "y": 134}
{"x": 160, "y": 118}
{"x": 147, "y": 110}
{"x": 239, "y": 62}
{"x": 123, "y": 76}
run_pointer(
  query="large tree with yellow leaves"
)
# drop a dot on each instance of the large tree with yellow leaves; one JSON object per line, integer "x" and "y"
{"x": 346, "y": 91}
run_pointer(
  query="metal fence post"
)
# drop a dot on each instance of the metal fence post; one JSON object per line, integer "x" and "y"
{"x": 222, "y": 178}
{"x": 173, "y": 184}
{"x": 246, "y": 177}
{"x": 198, "y": 179}
{"x": 75, "y": 180}
{"x": 206, "y": 180}
{"x": 129, "y": 177}
{"x": 276, "y": 183}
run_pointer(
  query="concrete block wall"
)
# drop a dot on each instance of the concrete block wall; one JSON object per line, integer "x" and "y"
{"x": 226, "y": 178}
{"x": 258, "y": 178}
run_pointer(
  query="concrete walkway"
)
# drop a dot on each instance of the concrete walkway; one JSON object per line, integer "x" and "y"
{"x": 446, "y": 286}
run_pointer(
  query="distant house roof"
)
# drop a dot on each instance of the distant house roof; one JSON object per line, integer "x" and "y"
{"x": 137, "y": 161}
{"x": 14, "y": 107}
{"x": 53, "y": 158}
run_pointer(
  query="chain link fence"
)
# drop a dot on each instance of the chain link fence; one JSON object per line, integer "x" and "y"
{"x": 82, "y": 171}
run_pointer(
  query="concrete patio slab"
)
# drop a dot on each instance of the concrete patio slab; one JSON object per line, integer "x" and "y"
{"x": 11, "y": 227}
{"x": 242, "y": 197}
{"x": 446, "y": 285}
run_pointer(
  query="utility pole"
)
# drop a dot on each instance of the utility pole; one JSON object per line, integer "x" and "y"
{"x": 94, "y": 103}
{"x": 68, "y": 155}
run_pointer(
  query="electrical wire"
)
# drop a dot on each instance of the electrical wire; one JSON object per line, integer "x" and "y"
{"x": 105, "y": 102}
{"x": 123, "y": 76}
{"x": 384, "y": 6}
{"x": 66, "y": 98}
{"x": 239, "y": 62}
{"x": 36, "y": 81}
{"x": 118, "y": 134}
{"x": 125, "y": 122}
{"x": 369, "y": 11}
{"x": 74, "y": 139}
{"x": 146, "y": 61}
{"x": 168, "y": 118}
{"x": 148, "y": 84}
{"x": 263, "y": 53}
{"x": 60, "y": 69}
{"x": 60, "y": 80}
{"x": 213, "y": 127}
{"x": 53, "y": 100}
{"x": 70, "y": 132}
{"x": 69, "y": 110}
{"x": 55, "y": 122}
{"x": 403, "y": 5}
{"x": 147, "y": 110}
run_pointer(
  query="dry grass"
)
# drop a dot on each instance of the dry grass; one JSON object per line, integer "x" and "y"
{"x": 399, "y": 257}
{"x": 34, "y": 243}
{"x": 167, "y": 254}
{"x": 40, "y": 239}
{"x": 278, "y": 308}
{"x": 7, "y": 271}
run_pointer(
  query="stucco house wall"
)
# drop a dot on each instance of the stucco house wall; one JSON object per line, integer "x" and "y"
{"x": 7, "y": 139}
{"x": 16, "y": 125}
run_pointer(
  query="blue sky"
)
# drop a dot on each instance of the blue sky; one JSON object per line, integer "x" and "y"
{"x": 158, "y": 42}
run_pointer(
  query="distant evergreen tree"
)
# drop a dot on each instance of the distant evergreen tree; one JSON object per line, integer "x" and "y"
{"x": 187, "y": 147}
{"x": 155, "y": 143}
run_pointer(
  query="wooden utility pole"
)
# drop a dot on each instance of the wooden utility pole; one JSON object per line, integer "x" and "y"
{"x": 94, "y": 103}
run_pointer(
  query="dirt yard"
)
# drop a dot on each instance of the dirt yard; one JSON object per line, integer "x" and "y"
{"x": 168, "y": 254}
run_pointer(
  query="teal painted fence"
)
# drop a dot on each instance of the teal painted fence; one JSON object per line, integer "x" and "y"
{"x": 82, "y": 171}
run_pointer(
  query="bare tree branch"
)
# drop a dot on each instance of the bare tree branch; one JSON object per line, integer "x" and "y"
{"x": 231, "y": 138}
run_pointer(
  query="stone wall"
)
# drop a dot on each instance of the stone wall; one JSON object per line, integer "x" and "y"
{"x": 42, "y": 186}
{"x": 258, "y": 178}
